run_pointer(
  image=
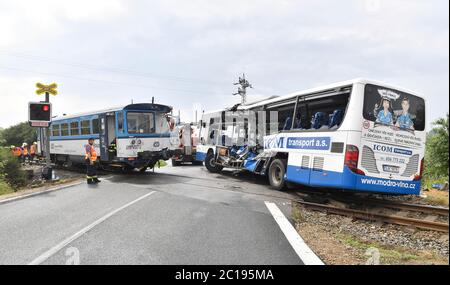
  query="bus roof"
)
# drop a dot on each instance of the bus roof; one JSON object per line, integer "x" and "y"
{"x": 134, "y": 107}
{"x": 326, "y": 87}
{"x": 274, "y": 99}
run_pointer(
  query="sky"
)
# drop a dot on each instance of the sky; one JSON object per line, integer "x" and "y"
{"x": 188, "y": 54}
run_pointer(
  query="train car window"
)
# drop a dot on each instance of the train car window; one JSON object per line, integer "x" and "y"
{"x": 56, "y": 130}
{"x": 75, "y": 129}
{"x": 140, "y": 123}
{"x": 95, "y": 126}
{"x": 65, "y": 129}
{"x": 120, "y": 122}
{"x": 85, "y": 127}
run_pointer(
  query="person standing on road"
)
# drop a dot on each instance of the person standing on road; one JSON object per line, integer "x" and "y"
{"x": 91, "y": 160}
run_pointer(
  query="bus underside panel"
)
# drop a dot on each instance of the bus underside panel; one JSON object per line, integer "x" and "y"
{"x": 348, "y": 180}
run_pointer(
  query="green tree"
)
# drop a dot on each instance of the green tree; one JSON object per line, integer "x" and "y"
{"x": 18, "y": 134}
{"x": 437, "y": 154}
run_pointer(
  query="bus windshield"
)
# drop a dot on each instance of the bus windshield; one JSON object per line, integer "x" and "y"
{"x": 390, "y": 107}
{"x": 140, "y": 123}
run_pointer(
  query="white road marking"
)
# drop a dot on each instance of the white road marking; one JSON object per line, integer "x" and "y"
{"x": 300, "y": 247}
{"x": 46, "y": 255}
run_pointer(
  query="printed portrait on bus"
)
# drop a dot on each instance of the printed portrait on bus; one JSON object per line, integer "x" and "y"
{"x": 384, "y": 116}
{"x": 398, "y": 110}
{"x": 404, "y": 119}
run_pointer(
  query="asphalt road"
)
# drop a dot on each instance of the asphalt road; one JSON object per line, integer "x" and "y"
{"x": 181, "y": 215}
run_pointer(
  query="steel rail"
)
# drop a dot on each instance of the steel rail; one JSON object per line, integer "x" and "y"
{"x": 371, "y": 216}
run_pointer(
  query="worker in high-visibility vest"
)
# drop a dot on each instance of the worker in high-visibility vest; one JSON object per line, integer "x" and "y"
{"x": 91, "y": 161}
{"x": 13, "y": 150}
{"x": 112, "y": 149}
{"x": 25, "y": 152}
{"x": 33, "y": 149}
{"x": 17, "y": 152}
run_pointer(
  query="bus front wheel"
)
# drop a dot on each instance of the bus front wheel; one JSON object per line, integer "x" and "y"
{"x": 210, "y": 164}
{"x": 277, "y": 171}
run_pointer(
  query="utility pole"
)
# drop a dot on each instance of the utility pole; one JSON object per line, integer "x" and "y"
{"x": 242, "y": 89}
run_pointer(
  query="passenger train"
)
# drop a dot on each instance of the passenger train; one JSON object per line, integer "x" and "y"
{"x": 131, "y": 137}
{"x": 358, "y": 135}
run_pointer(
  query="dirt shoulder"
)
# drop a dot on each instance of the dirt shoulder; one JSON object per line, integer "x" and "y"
{"x": 342, "y": 241}
{"x": 37, "y": 185}
{"x": 44, "y": 187}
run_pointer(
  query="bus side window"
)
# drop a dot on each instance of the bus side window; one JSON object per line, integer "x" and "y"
{"x": 302, "y": 120}
{"x": 285, "y": 116}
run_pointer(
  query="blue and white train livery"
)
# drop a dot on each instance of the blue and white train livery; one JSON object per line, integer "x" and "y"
{"x": 129, "y": 137}
{"x": 358, "y": 135}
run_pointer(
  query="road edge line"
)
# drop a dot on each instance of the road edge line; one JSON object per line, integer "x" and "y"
{"x": 303, "y": 251}
{"x": 52, "y": 251}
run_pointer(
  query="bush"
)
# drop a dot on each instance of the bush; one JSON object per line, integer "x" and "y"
{"x": 10, "y": 170}
{"x": 4, "y": 187}
{"x": 436, "y": 155}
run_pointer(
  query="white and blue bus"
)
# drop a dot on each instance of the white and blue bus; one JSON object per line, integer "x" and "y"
{"x": 358, "y": 135}
{"x": 135, "y": 136}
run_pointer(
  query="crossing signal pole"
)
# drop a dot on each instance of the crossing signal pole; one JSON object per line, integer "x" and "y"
{"x": 242, "y": 89}
{"x": 40, "y": 115}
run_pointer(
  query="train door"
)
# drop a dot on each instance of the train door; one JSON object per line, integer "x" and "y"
{"x": 111, "y": 135}
{"x": 103, "y": 138}
{"x": 107, "y": 136}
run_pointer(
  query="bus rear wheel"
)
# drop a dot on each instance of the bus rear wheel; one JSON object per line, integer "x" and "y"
{"x": 277, "y": 171}
{"x": 210, "y": 164}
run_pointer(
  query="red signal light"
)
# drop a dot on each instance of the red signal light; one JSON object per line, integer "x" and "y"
{"x": 45, "y": 108}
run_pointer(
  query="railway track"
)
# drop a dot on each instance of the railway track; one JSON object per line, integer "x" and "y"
{"x": 426, "y": 217}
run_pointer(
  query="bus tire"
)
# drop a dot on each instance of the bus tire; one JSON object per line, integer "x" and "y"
{"x": 211, "y": 165}
{"x": 277, "y": 171}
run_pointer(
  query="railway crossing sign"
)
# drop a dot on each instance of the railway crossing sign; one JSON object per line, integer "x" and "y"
{"x": 40, "y": 114}
{"x": 42, "y": 89}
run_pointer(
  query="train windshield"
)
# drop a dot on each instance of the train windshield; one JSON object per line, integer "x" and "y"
{"x": 389, "y": 107}
{"x": 140, "y": 123}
